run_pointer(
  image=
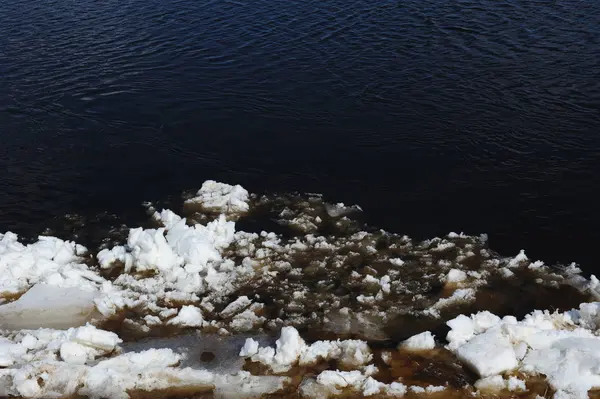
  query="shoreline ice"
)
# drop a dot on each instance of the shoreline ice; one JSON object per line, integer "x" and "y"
{"x": 66, "y": 309}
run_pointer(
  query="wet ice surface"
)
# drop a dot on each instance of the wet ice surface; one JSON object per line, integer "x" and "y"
{"x": 203, "y": 299}
{"x": 208, "y": 351}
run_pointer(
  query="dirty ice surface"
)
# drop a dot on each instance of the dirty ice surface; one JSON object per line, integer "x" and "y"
{"x": 203, "y": 301}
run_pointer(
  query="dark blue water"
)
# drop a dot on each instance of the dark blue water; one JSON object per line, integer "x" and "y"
{"x": 473, "y": 115}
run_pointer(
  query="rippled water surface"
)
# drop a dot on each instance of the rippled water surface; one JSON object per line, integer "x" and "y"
{"x": 474, "y": 115}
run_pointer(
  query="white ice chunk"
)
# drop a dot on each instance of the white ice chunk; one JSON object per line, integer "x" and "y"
{"x": 95, "y": 338}
{"x": 488, "y": 354}
{"x": 396, "y": 261}
{"x": 188, "y": 316}
{"x": 396, "y": 389}
{"x": 10, "y": 352}
{"x": 498, "y": 383}
{"x": 74, "y": 353}
{"x": 422, "y": 341}
{"x": 459, "y": 296}
{"x": 148, "y": 370}
{"x": 563, "y": 347}
{"x": 340, "y": 209}
{"x": 199, "y": 245}
{"x": 289, "y": 346}
{"x": 150, "y": 250}
{"x": 246, "y": 321}
{"x": 243, "y": 385}
{"x": 167, "y": 218}
{"x": 372, "y": 387}
{"x": 221, "y": 198}
{"x": 108, "y": 257}
{"x": 570, "y": 364}
{"x": 291, "y": 349}
{"x": 462, "y": 329}
{"x": 517, "y": 260}
{"x": 341, "y": 379}
{"x": 49, "y": 260}
{"x": 456, "y": 276}
{"x": 250, "y": 348}
{"x": 235, "y": 306}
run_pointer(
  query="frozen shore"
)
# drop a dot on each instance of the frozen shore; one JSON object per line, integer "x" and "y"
{"x": 349, "y": 308}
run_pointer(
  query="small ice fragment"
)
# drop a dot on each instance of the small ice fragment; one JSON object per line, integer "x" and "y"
{"x": 396, "y": 389}
{"x": 422, "y": 341}
{"x": 396, "y": 261}
{"x": 235, "y": 306}
{"x": 341, "y": 379}
{"x": 221, "y": 198}
{"x": 498, "y": 383}
{"x": 492, "y": 383}
{"x": 386, "y": 356}
{"x": 94, "y": 337}
{"x": 188, "y": 316}
{"x": 250, "y": 348}
{"x": 536, "y": 265}
{"x": 340, "y": 209}
{"x": 167, "y": 218}
{"x": 10, "y": 352}
{"x": 516, "y": 384}
{"x": 108, "y": 257}
{"x": 74, "y": 353}
{"x": 516, "y": 261}
{"x": 458, "y": 296}
{"x": 506, "y": 272}
{"x": 289, "y": 346}
{"x": 484, "y": 320}
{"x": 456, "y": 276}
{"x": 372, "y": 387}
{"x": 417, "y": 389}
{"x": 434, "y": 388}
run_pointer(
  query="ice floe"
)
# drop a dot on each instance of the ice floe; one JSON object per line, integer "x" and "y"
{"x": 49, "y": 306}
{"x": 66, "y": 310}
{"x": 564, "y": 347}
{"x": 48, "y": 260}
{"x": 221, "y": 198}
{"x": 87, "y": 361}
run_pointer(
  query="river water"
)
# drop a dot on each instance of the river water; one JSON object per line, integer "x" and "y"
{"x": 476, "y": 115}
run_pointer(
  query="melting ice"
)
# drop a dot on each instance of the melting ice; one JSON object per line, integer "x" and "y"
{"x": 330, "y": 308}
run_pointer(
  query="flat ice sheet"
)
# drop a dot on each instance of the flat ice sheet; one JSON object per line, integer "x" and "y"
{"x": 48, "y": 306}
